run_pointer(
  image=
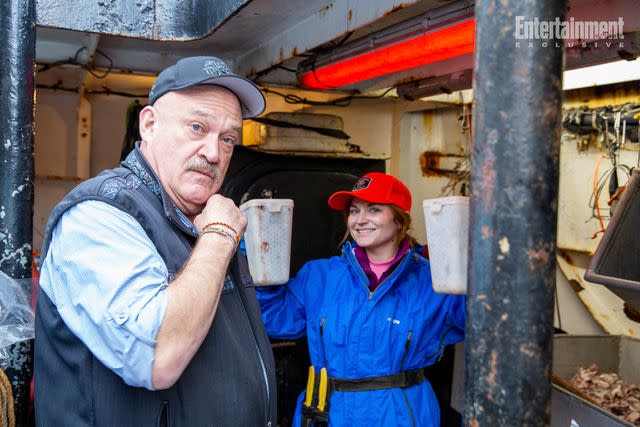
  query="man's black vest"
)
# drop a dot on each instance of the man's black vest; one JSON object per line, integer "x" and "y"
{"x": 229, "y": 382}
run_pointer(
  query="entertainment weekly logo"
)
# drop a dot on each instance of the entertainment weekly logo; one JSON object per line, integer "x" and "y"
{"x": 535, "y": 32}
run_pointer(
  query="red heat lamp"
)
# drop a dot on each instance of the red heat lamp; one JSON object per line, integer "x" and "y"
{"x": 389, "y": 53}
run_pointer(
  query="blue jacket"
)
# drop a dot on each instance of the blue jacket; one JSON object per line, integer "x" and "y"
{"x": 365, "y": 333}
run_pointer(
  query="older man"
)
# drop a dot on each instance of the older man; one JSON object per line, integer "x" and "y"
{"x": 146, "y": 315}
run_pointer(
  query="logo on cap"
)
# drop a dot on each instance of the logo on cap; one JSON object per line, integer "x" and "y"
{"x": 215, "y": 68}
{"x": 362, "y": 183}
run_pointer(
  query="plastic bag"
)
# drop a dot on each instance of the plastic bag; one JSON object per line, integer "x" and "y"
{"x": 16, "y": 316}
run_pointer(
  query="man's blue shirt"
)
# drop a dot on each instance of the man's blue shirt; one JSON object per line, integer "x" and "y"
{"x": 108, "y": 282}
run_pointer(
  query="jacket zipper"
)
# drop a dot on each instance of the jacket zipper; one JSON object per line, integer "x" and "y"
{"x": 324, "y": 354}
{"x": 360, "y": 273}
{"x": 262, "y": 365}
{"x": 439, "y": 350}
{"x": 404, "y": 356}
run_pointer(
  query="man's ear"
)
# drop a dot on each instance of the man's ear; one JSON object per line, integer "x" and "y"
{"x": 148, "y": 120}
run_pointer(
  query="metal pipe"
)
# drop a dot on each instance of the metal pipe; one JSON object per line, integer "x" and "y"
{"x": 514, "y": 180}
{"x": 17, "y": 48}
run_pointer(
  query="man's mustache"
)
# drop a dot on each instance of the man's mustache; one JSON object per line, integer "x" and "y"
{"x": 201, "y": 165}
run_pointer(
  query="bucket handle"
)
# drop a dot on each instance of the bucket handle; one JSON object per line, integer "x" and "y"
{"x": 436, "y": 208}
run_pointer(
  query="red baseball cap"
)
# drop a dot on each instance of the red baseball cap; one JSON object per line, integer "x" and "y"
{"x": 374, "y": 187}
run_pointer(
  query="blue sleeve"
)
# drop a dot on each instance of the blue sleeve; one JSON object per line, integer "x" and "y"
{"x": 108, "y": 282}
{"x": 456, "y": 318}
{"x": 283, "y": 307}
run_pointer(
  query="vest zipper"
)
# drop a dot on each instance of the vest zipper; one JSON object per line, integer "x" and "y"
{"x": 163, "y": 418}
{"x": 262, "y": 365}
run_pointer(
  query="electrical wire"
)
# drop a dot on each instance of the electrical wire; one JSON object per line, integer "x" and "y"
{"x": 105, "y": 91}
{"x": 599, "y": 185}
{"x": 344, "y": 101}
{"x": 74, "y": 61}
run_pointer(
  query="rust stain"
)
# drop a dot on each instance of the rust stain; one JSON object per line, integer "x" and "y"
{"x": 539, "y": 257}
{"x": 294, "y": 51}
{"x": 575, "y": 285}
{"x": 430, "y": 163}
{"x": 604, "y": 316}
{"x": 396, "y": 8}
{"x": 487, "y": 306}
{"x": 527, "y": 350}
{"x": 491, "y": 376}
{"x": 264, "y": 246}
{"x": 565, "y": 256}
{"x": 631, "y": 312}
{"x": 487, "y": 182}
{"x": 486, "y": 232}
{"x": 350, "y": 15}
{"x": 481, "y": 296}
{"x": 281, "y": 54}
{"x": 326, "y": 9}
{"x": 474, "y": 423}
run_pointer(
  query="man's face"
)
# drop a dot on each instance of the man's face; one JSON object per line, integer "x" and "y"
{"x": 188, "y": 138}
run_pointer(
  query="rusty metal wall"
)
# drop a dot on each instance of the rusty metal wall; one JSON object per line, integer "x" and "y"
{"x": 514, "y": 181}
{"x": 170, "y": 20}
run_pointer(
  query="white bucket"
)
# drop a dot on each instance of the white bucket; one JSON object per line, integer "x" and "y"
{"x": 447, "y": 222}
{"x": 268, "y": 239}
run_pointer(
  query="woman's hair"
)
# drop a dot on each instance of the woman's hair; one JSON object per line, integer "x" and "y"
{"x": 399, "y": 216}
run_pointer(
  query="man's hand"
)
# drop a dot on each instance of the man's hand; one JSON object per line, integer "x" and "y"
{"x": 221, "y": 209}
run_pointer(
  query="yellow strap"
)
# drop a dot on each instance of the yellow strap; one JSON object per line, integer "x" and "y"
{"x": 322, "y": 393}
{"x": 310, "y": 383}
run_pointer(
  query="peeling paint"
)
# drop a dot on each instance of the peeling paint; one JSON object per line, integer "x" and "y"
{"x": 19, "y": 254}
{"x": 7, "y": 143}
{"x": 14, "y": 193}
{"x": 504, "y": 245}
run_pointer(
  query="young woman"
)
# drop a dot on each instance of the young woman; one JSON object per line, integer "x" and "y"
{"x": 372, "y": 319}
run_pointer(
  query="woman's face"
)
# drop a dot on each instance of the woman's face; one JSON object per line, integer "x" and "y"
{"x": 372, "y": 225}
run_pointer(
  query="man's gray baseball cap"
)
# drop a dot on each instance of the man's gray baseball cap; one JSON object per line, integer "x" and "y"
{"x": 209, "y": 70}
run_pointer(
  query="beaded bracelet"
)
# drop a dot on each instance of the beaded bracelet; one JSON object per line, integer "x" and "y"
{"x": 223, "y": 224}
{"x": 221, "y": 231}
